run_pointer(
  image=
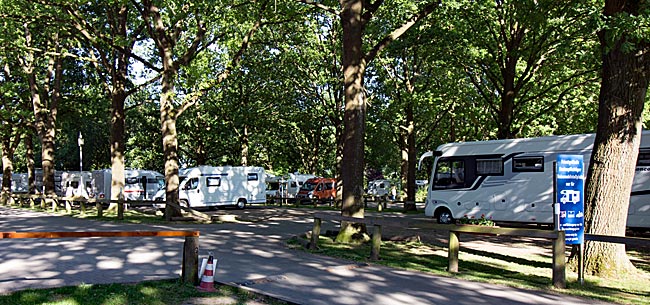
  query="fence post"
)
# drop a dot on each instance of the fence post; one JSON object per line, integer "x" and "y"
{"x": 559, "y": 260}
{"x": 452, "y": 256}
{"x": 100, "y": 211}
{"x": 376, "y": 243}
{"x": 190, "y": 269}
{"x": 313, "y": 244}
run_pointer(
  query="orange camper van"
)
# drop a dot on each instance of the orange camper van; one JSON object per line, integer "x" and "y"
{"x": 317, "y": 189}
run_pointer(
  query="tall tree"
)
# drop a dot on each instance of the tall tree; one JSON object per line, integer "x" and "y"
{"x": 180, "y": 30}
{"x": 355, "y": 15}
{"x": 625, "y": 49}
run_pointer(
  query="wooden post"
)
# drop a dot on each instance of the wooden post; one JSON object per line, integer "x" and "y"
{"x": 559, "y": 261}
{"x": 120, "y": 207}
{"x": 190, "y": 271}
{"x": 454, "y": 245}
{"x": 100, "y": 211}
{"x": 315, "y": 232}
{"x": 376, "y": 243}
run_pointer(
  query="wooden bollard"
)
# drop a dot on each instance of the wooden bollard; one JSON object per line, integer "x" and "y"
{"x": 313, "y": 244}
{"x": 190, "y": 269}
{"x": 376, "y": 243}
{"x": 452, "y": 256}
{"x": 559, "y": 265}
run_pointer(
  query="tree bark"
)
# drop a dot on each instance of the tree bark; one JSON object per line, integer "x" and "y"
{"x": 353, "y": 119}
{"x": 611, "y": 172}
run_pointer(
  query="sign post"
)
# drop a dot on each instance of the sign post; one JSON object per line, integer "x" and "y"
{"x": 570, "y": 196}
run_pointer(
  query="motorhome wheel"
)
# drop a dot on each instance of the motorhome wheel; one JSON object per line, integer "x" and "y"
{"x": 444, "y": 216}
{"x": 241, "y": 203}
{"x": 185, "y": 203}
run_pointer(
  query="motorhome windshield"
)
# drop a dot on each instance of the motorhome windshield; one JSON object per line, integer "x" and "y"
{"x": 308, "y": 186}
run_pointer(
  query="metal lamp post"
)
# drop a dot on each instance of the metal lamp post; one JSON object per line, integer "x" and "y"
{"x": 82, "y": 186}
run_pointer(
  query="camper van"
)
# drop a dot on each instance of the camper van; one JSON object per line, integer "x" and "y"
{"x": 138, "y": 184}
{"x": 317, "y": 189}
{"x": 512, "y": 180}
{"x": 211, "y": 186}
{"x": 379, "y": 188}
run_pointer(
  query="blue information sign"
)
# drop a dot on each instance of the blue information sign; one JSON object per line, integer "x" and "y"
{"x": 570, "y": 189}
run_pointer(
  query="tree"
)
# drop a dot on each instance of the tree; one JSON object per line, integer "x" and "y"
{"x": 525, "y": 59}
{"x": 180, "y": 30}
{"x": 625, "y": 75}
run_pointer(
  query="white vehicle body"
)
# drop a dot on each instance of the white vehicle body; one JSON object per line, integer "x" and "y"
{"x": 513, "y": 180}
{"x": 139, "y": 184}
{"x": 273, "y": 186}
{"x": 76, "y": 184}
{"x": 211, "y": 186}
{"x": 291, "y": 185}
{"x": 379, "y": 188}
{"x": 19, "y": 183}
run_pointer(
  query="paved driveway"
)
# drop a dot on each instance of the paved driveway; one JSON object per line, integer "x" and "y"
{"x": 249, "y": 254}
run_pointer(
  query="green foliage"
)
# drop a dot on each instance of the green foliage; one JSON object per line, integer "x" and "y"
{"x": 471, "y": 220}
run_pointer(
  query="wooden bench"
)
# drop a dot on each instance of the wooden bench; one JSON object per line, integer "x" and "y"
{"x": 190, "y": 265}
{"x": 558, "y": 237}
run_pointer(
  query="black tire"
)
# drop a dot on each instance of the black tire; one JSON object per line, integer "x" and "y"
{"x": 184, "y": 203}
{"x": 444, "y": 216}
{"x": 241, "y": 204}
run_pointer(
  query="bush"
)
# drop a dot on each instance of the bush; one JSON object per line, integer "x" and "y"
{"x": 465, "y": 220}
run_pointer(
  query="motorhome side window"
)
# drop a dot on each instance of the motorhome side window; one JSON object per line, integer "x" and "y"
{"x": 528, "y": 164}
{"x": 213, "y": 181}
{"x": 450, "y": 174}
{"x": 192, "y": 184}
{"x": 489, "y": 167}
{"x": 132, "y": 180}
{"x": 252, "y": 176}
{"x": 644, "y": 157}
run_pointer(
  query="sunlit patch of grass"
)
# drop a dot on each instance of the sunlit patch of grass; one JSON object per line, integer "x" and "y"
{"x": 528, "y": 271}
{"x": 146, "y": 293}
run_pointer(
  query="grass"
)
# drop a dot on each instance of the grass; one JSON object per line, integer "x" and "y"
{"x": 529, "y": 271}
{"x": 167, "y": 292}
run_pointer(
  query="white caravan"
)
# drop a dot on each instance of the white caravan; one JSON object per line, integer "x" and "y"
{"x": 76, "y": 184}
{"x": 292, "y": 184}
{"x": 379, "y": 188}
{"x": 211, "y": 186}
{"x": 512, "y": 180}
{"x": 138, "y": 184}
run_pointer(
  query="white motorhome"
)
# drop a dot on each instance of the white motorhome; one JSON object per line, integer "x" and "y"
{"x": 273, "y": 187}
{"x": 138, "y": 184}
{"x": 76, "y": 184}
{"x": 19, "y": 183}
{"x": 293, "y": 183}
{"x": 379, "y": 188}
{"x": 512, "y": 180}
{"x": 211, "y": 186}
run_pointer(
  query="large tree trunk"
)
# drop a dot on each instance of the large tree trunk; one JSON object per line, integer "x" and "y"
{"x": 411, "y": 159}
{"x": 118, "y": 96}
{"x": 611, "y": 171}
{"x": 354, "y": 116}
{"x": 170, "y": 145}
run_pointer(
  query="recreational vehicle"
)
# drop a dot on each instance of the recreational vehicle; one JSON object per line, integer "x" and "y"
{"x": 317, "y": 189}
{"x": 512, "y": 180}
{"x": 293, "y": 183}
{"x": 138, "y": 184}
{"x": 76, "y": 184}
{"x": 379, "y": 188}
{"x": 211, "y": 186}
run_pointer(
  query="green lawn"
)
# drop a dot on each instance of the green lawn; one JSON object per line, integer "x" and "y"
{"x": 529, "y": 272}
{"x": 169, "y": 292}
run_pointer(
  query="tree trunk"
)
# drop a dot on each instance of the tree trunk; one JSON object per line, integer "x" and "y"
{"x": 243, "y": 139}
{"x": 29, "y": 147}
{"x": 119, "y": 77}
{"x": 612, "y": 165}
{"x": 170, "y": 147}
{"x": 353, "y": 118}
{"x": 411, "y": 157}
